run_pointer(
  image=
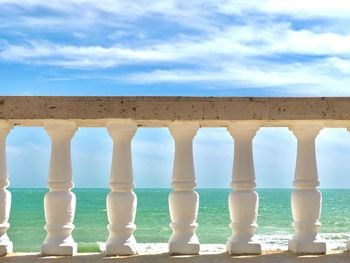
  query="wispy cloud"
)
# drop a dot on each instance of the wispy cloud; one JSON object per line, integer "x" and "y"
{"x": 295, "y": 8}
{"x": 276, "y": 45}
{"x": 234, "y": 42}
{"x": 292, "y": 79}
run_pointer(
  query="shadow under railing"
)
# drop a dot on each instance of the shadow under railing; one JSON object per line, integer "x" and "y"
{"x": 271, "y": 256}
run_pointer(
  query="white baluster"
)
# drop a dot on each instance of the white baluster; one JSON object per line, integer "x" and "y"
{"x": 121, "y": 201}
{"x": 306, "y": 200}
{"x": 5, "y": 195}
{"x": 60, "y": 202}
{"x": 243, "y": 201}
{"x": 183, "y": 200}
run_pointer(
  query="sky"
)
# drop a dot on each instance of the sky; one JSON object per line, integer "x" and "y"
{"x": 185, "y": 48}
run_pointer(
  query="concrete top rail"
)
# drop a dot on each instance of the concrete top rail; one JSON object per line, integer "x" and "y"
{"x": 158, "y": 111}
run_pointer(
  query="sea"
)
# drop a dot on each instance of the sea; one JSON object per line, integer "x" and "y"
{"x": 274, "y": 218}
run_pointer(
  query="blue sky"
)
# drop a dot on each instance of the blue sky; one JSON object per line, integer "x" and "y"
{"x": 197, "y": 48}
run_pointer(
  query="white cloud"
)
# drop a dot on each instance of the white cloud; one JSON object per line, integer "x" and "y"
{"x": 233, "y": 42}
{"x": 340, "y": 64}
{"x": 106, "y": 13}
{"x": 266, "y": 53}
{"x": 295, "y": 8}
{"x": 160, "y": 149}
{"x": 202, "y": 15}
{"x": 223, "y": 59}
{"x": 214, "y": 136}
{"x": 135, "y": 9}
{"x": 295, "y": 79}
{"x": 29, "y": 148}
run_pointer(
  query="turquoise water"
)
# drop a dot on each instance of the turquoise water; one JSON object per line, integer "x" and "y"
{"x": 27, "y": 217}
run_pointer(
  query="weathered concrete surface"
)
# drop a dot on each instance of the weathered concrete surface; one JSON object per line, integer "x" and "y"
{"x": 91, "y": 110}
{"x": 267, "y": 257}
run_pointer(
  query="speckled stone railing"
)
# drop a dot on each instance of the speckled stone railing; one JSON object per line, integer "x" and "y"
{"x": 153, "y": 111}
{"x": 62, "y": 116}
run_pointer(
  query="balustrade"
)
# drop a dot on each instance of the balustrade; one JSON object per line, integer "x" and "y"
{"x": 60, "y": 203}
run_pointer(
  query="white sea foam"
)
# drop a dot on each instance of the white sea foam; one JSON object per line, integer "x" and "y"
{"x": 335, "y": 242}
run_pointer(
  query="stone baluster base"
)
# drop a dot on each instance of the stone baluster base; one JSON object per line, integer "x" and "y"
{"x": 306, "y": 209}
{"x": 121, "y": 240}
{"x": 242, "y": 224}
{"x": 183, "y": 206}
